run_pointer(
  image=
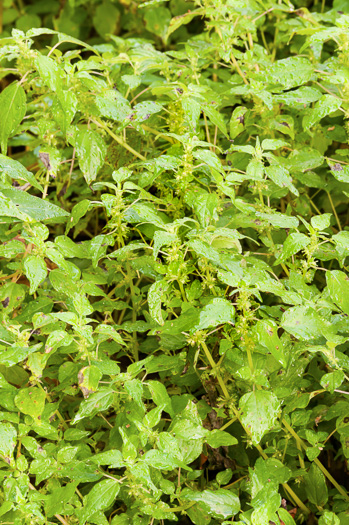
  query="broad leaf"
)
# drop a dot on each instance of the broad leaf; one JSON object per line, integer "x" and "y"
{"x": 338, "y": 287}
{"x": 315, "y": 486}
{"x": 219, "y": 504}
{"x": 100, "y": 497}
{"x": 91, "y": 151}
{"x": 31, "y": 401}
{"x": 36, "y": 271}
{"x": 258, "y": 412}
{"x": 12, "y": 112}
{"x": 8, "y": 440}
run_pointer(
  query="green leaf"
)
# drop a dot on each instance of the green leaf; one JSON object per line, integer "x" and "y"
{"x": 266, "y": 470}
{"x": 28, "y": 205}
{"x": 11, "y": 249}
{"x": 31, "y": 401}
{"x": 290, "y": 72}
{"x": 100, "y": 497}
{"x": 219, "y": 438}
{"x": 143, "y": 110}
{"x": 56, "y": 501}
{"x": 155, "y": 293}
{"x": 278, "y": 220}
{"x": 15, "y": 354}
{"x": 132, "y": 81}
{"x": 94, "y": 404}
{"x": 78, "y": 211}
{"x": 338, "y": 287}
{"x": 64, "y": 108}
{"x": 267, "y": 333}
{"x": 321, "y": 222}
{"x": 160, "y": 396}
{"x": 224, "y": 476}
{"x": 292, "y": 245}
{"x": 161, "y": 461}
{"x": 342, "y": 243}
{"x": 106, "y": 332}
{"x": 298, "y": 97}
{"x": 12, "y": 112}
{"x": 36, "y": 270}
{"x": 112, "y": 107}
{"x": 157, "y": 20}
{"x": 237, "y": 121}
{"x": 114, "y": 270}
{"x": 121, "y": 519}
{"x": 17, "y": 171}
{"x": 284, "y": 124}
{"x": 208, "y": 157}
{"x": 343, "y": 431}
{"x": 144, "y": 213}
{"x": 162, "y": 239}
{"x": 88, "y": 379}
{"x": 123, "y": 253}
{"x": 204, "y": 205}
{"x": 265, "y": 503}
{"x": 332, "y": 380}
{"x": 219, "y": 504}
{"x": 192, "y": 110}
{"x": 178, "y": 21}
{"x": 272, "y": 144}
{"x": 50, "y": 72}
{"x": 340, "y": 172}
{"x": 134, "y": 388}
{"x": 329, "y": 518}
{"x": 91, "y": 151}
{"x": 218, "y": 311}
{"x": 315, "y": 486}
{"x": 280, "y": 176}
{"x": 153, "y": 417}
{"x": 106, "y": 19}
{"x": 259, "y": 410}
{"x": 215, "y": 118}
{"x": 286, "y": 517}
{"x": 81, "y": 304}
{"x": 6, "y": 507}
{"x": 305, "y": 159}
{"x": 303, "y": 322}
{"x": 8, "y": 440}
{"x": 326, "y": 105}
{"x": 112, "y": 458}
{"x": 129, "y": 450}
{"x": 255, "y": 170}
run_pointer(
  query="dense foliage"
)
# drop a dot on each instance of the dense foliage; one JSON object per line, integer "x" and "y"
{"x": 174, "y": 190}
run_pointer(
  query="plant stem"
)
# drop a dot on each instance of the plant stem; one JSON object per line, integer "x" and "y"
{"x": 317, "y": 461}
{"x": 249, "y": 358}
{"x": 334, "y": 211}
{"x": 101, "y": 124}
{"x": 229, "y": 423}
{"x": 213, "y": 366}
{"x": 207, "y": 131}
{"x": 157, "y": 133}
{"x": 134, "y": 314}
{"x": 59, "y": 415}
{"x": 237, "y": 67}
{"x": 181, "y": 287}
{"x": 258, "y": 447}
{"x": 181, "y": 508}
